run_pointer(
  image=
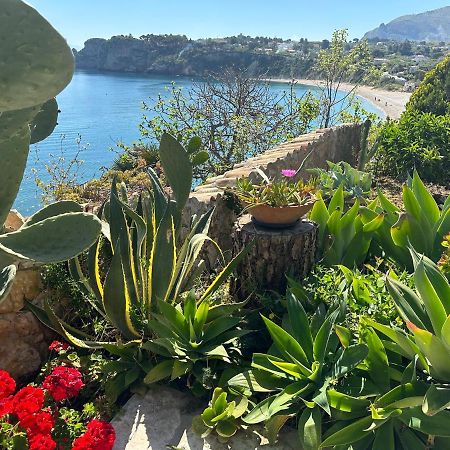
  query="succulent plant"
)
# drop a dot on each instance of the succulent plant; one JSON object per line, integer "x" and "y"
{"x": 38, "y": 64}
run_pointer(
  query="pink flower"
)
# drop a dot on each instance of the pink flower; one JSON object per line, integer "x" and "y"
{"x": 289, "y": 173}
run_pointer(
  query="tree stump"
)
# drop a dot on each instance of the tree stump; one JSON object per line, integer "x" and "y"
{"x": 275, "y": 253}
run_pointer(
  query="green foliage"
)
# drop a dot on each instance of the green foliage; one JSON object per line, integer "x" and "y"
{"x": 444, "y": 262}
{"x": 433, "y": 94}
{"x": 356, "y": 184}
{"x": 336, "y": 64}
{"x": 364, "y": 292}
{"x": 426, "y": 313}
{"x": 233, "y": 114}
{"x": 40, "y": 66}
{"x": 220, "y": 416}
{"x": 139, "y": 291}
{"x": 417, "y": 141}
{"x": 344, "y": 236}
{"x": 423, "y": 223}
{"x": 187, "y": 337}
{"x": 276, "y": 193}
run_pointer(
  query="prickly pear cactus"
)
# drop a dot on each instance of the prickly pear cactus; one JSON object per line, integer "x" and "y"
{"x": 37, "y": 64}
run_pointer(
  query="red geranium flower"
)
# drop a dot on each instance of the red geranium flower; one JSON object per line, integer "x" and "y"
{"x": 41, "y": 442}
{"x": 7, "y": 384}
{"x": 63, "y": 383}
{"x": 99, "y": 436}
{"x": 28, "y": 401}
{"x": 6, "y": 406}
{"x": 40, "y": 423}
{"x": 58, "y": 346}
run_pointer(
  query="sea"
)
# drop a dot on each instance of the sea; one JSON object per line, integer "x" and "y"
{"x": 99, "y": 110}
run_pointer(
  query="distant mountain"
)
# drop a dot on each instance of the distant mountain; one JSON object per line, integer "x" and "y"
{"x": 431, "y": 26}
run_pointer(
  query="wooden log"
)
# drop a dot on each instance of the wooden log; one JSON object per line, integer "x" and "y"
{"x": 275, "y": 253}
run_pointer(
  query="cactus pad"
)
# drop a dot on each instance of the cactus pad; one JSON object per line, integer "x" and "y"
{"x": 45, "y": 121}
{"x": 13, "y": 156}
{"x": 37, "y": 63}
{"x": 61, "y": 207}
{"x": 53, "y": 239}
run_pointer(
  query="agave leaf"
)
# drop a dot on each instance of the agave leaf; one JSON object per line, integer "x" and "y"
{"x": 436, "y": 399}
{"x": 285, "y": 343}
{"x": 321, "y": 341}
{"x": 310, "y": 428}
{"x": 159, "y": 372}
{"x": 436, "y": 425}
{"x": 430, "y": 298}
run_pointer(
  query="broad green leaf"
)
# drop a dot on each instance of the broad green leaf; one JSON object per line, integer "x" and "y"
{"x": 349, "y": 359}
{"x": 274, "y": 425}
{"x": 159, "y": 372}
{"x": 177, "y": 168}
{"x": 434, "y": 350}
{"x": 323, "y": 337}
{"x": 408, "y": 303}
{"x": 377, "y": 362}
{"x": 285, "y": 343}
{"x": 116, "y": 299}
{"x": 433, "y": 304}
{"x": 384, "y": 437}
{"x": 436, "y": 399}
{"x": 310, "y": 428}
{"x": 430, "y": 209}
{"x": 436, "y": 425}
{"x": 300, "y": 325}
{"x": 351, "y": 433}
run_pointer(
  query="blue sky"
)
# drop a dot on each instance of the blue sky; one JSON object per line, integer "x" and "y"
{"x": 79, "y": 20}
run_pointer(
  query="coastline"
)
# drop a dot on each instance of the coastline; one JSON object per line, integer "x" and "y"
{"x": 392, "y": 103}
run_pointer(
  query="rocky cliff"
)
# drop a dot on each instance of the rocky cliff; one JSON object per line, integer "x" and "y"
{"x": 431, "y": 26}
{"x": 180, "y": 57}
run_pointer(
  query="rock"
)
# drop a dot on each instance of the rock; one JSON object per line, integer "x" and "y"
{"x": 26, "y": 286}
{"x": 23, "y": 343}
{"x": 161, "y": 420}
{"x": 14, "y": 221}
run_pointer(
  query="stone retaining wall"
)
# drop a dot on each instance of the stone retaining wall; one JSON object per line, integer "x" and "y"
{"x": 340, "y": 143}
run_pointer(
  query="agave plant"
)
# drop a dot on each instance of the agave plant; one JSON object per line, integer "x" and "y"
{"x": 302, "y": 367}
{"x": 187, "y": 336}
{"x": 344, "y": 236}
{"x": 140, "y": 293}
{"x": 220, "y": 416}
{"x": 426, "y": 313}
{"x": 422, "y": 224}
{"x": 356, "y": 184}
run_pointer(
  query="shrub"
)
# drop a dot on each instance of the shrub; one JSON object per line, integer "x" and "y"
{"x": 418, "y": 140}
{"x": 433, "y": 94}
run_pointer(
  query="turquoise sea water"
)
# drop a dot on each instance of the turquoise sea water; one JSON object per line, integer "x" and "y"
{"x": 102, "y": 109}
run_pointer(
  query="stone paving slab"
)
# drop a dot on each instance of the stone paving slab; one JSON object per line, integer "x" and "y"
{"x": 161, "y": 420}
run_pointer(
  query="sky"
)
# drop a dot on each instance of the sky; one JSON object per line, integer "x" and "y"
{"x": 79, "y": 20}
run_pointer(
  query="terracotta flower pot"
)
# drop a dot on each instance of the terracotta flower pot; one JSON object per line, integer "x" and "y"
{"x": 279, "y": 217}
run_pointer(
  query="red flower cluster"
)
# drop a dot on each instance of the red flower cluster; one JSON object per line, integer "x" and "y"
{"x": 99, "y": 436}
{"x": 57, "y": 346}
{"x": 63, "y": 383}
{"x": 41, "y": 442}
{"x": 28, "y": 400}
{"x": 7, "y": 384}
{"x": 26, "y": 409}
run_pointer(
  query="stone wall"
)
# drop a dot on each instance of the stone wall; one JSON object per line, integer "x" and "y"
{"x": 24, "y": 339}
{"x": 340, "y": 143}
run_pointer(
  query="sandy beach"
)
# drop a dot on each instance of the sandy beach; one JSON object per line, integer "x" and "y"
{"x": 392, "y": 103}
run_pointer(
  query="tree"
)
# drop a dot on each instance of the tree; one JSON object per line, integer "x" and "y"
{"x": 236, "y": 116}
{"x": 336, "y": 65}
{"x": 433, "y": 94}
